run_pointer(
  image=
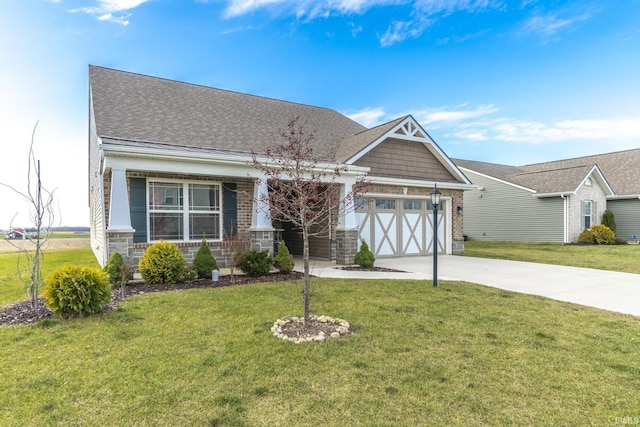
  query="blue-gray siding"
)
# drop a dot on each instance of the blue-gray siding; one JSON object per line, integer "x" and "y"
{"x": 627, "y": 215}
{"x": 504, "y": 212}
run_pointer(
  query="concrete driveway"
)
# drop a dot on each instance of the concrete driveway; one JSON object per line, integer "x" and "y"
{"x": 608, "y": 290}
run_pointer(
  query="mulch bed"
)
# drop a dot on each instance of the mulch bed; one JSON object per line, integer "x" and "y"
{"x": 23, "y": 313}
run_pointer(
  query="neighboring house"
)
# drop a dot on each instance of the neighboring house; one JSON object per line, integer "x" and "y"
{"x": 167, "y": 160}
{"x": 552, "y": 201}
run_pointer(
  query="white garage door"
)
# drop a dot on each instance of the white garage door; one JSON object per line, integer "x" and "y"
{"x": 397, "y": 227}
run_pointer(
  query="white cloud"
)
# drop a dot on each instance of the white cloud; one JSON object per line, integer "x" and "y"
{"x": 551, "y": 23}
{"x": 369, "y": 117}
{"x": 461, "y": 112}
{"x": 105, "y": 10}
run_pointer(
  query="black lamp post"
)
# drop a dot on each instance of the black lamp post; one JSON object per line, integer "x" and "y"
{"x": 435, "y": 201}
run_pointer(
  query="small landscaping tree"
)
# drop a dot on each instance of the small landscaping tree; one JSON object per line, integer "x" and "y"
{"x": 42, "y": 215}
{"x": 204, "y": 263}
{"x": 236, "y": 243}
{"x": 365, "y": 258}
{"x": 302, "y": 188}
{"x": 283, "y": 260}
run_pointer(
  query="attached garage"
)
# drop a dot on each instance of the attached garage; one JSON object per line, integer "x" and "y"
{"x": 403, "y": 226}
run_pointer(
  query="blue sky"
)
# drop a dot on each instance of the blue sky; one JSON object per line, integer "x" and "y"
{"x": 512, "y": 82}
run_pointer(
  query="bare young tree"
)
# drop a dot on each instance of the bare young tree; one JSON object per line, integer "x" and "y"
{"x": 42, "y": 217}
{"x": 303, "y": 188}
{"x": 234, "y": 246}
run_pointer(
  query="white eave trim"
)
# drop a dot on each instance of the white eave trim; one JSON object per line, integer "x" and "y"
{"x": 402, "y": 182}
{"x": 493, "y": 178}
{"x": 624, "y": 197}
{"x": 558, "y": 194}
{"x": 140, "y": 158}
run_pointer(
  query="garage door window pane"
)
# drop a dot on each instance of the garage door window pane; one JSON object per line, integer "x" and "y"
{"x": 412, "y": 205}
{"x": 385, "y": 204}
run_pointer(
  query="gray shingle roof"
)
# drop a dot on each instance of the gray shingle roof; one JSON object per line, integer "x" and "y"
{"x": 358, "y": 142}
{"x": 137, "y": 109}
{"x": 621, "y": 170}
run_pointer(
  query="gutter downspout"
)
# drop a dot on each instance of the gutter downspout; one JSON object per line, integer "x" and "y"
{"x": 566, "y": 218}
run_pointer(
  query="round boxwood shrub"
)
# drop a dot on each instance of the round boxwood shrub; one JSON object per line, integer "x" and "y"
{"x": 256, "y": 263}
{"x": 204, "y": 263}
{"x": 283, "y": 260}
{"x": 586, "y": 237}
{"x": 603, "y": 235}
{"x": 162, "y": 262}
{"x": 364, "y": 258}
{"x": 77, "y": 290}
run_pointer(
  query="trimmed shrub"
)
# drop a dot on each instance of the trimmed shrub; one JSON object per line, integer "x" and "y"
{"x": 77, "y": 290}
{"x": 256, "y": 263}
{"x": 609, "y": 220}
{"x": 603, "y": 234}
{"x": 283, "y": 260}
{"x": 204, "y": 263}
{"x": 586, "y": 238}
{"x": 364, "y": 258}
{"x": 162, "y": 262}
{"x": 117, "y": 270}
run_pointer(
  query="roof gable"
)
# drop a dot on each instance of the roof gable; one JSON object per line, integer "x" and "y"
{"x": 402, "y": 129}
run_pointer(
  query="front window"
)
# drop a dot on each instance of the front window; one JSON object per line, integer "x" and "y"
{"x": 184, "y": 211}
{"x": 587, "y": 213}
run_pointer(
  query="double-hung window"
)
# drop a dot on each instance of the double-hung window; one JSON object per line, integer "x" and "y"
{"x": 587, "y": 206}
{"x": 184, "y": 211}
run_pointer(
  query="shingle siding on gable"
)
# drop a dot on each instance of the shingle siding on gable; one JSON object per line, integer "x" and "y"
{"x": 506, "y": 213}
{"x": 627, "y": 215}
{"x": 406, "y": 160}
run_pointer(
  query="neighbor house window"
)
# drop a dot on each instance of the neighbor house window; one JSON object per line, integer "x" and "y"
{"x": 184, "y": 211}
{"x": 586, "y": 209}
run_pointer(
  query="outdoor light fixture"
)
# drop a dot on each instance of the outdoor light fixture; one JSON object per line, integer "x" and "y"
{"x": 435, "y": 201}
{"x": 459, "y": 209}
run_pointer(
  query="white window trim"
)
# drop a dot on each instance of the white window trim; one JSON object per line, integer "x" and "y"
{"x": 185, "y": 208}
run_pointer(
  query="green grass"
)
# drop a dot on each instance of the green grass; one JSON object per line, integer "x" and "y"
{"x": 623, "y": 258}
{"x": 459, "y": 354}
{"x": 13, "y": 290}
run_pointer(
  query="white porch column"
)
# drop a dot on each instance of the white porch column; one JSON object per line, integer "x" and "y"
{"x": 119, "y": 216}
{"x": 347, "y": 215}
{"x": 260, "y": 218}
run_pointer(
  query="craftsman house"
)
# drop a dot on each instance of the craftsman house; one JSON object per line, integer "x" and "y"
{"x": 167, "y": 160}
{"x": 552, "y": 201}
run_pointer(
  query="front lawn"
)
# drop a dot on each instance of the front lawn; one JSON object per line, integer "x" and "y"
{"x": 459, "y": 354}
{"x": 622, "y": 258}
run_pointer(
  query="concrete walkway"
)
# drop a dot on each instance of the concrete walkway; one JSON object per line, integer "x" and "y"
{"x": 608, "y": 290}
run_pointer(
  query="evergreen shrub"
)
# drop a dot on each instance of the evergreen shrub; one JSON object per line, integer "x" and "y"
{"x": 256, "y": 263}
{"x": 603, "y": 235}
{"x": 586, "y": 237}
{"x": 283, "y": 260}
{"x": 204, "y": 263}
{"x": 162, "y": 262}
{"x": 364, "y": 258}
{"x": 609, "y": 220}
{"x": 77, "y": 290}
{"x": 117, "y": 270}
